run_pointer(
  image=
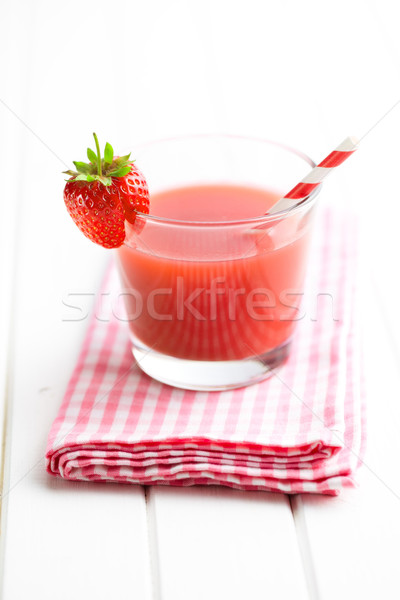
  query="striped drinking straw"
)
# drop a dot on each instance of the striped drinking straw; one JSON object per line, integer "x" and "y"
{"x": 316, "y": 176}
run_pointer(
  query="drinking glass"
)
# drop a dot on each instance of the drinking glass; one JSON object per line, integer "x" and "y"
{"x": 213, "y": 305}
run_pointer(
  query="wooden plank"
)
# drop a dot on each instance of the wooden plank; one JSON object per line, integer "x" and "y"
{"x": 353, "y": 541}
{"x": 61, "y": 540}
{"x": 95, "y": 533}
{"x": 7, "y": 264}
{"x": 355, "y": 538}
{"x": 218, "y": 543}
{"x": 210, "y": 542}
{"x": 10, "y": 149}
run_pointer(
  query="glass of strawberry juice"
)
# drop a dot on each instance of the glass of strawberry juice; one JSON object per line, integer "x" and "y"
{"x": 211, "y": 284}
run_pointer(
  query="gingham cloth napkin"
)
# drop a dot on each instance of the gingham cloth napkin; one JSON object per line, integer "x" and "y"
{"x": 302, "y": 430}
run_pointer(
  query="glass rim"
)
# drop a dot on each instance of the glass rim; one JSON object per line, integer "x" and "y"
{"x": 253, "y": 220}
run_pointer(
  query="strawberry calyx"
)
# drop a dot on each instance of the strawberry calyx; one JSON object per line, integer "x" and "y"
{"x": 101, "y": 169}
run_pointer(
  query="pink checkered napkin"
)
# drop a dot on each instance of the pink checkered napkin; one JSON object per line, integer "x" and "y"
{"x": 299, "y": 431}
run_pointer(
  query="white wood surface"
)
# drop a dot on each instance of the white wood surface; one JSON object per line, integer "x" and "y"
{"x": 214, "y": 543}
{"x": 307, "y": 73}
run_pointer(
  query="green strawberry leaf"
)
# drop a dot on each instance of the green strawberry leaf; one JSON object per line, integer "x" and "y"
{"x": 121, "y": 172}
{"x": 108, "y": 154}
{"x": 82, "y": 177}
{"x": 92, "y": 156}
{"x": 81, "y": 167}
{"x": 125, "y": 159}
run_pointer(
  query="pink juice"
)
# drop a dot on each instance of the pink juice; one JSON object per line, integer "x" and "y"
{"x": 216, "y": 288}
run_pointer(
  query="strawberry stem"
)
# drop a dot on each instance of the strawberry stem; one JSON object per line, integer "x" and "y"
{"x": 98, "y": 155}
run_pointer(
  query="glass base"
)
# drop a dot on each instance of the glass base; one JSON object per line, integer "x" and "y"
{"x": 209, "y": 376}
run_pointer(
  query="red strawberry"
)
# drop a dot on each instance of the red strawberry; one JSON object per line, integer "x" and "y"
{"x": 104, "y": 193}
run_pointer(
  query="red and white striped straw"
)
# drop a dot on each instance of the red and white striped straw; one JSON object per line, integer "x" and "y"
{"x": 316, "y": 176}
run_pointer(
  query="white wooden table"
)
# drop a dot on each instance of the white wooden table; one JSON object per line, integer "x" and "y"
{"x": 307, "y": 73}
